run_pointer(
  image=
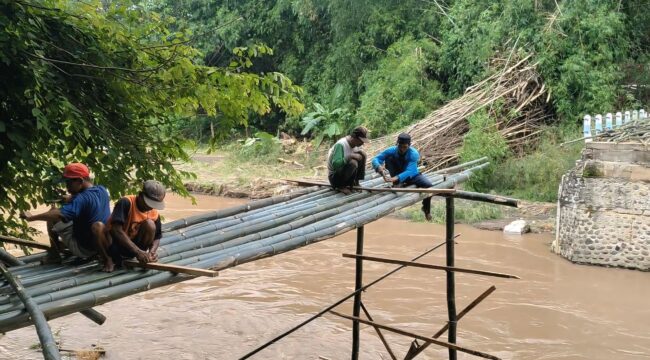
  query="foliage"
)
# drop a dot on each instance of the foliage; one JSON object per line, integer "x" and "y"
{"x": 323, "y": 123}
{"x": 400, "y": 91}
{"x": 99, "y": 82}
{"x": 483, "y": 139}
{"x": 261, "y": 148}
{"x": 464, "y": 211}
{"x": 536, "y": 176}
{"x": 580, "y": 57}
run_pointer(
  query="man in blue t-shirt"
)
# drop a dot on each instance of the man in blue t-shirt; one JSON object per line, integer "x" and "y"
{"x": 79, "y": 223}
{"x": 401, "y": 162}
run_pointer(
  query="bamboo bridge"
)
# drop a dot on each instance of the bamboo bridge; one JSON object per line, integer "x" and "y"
{"x": 34, "y": 292}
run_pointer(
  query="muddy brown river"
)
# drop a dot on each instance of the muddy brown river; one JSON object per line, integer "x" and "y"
{"x": 558, "y": 310}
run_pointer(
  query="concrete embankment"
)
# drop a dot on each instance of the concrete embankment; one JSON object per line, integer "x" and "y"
{"x": 604, "y": 208}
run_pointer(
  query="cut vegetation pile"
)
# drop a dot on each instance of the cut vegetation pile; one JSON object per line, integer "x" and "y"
{"x": 514, "y": 96}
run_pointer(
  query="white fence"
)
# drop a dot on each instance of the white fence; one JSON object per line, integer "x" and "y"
{"x": 595, "y": 127}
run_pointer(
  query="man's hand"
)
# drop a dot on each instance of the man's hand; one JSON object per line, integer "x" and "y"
{"x": 360, "y": 152}
{"x": 25, "y": 215}
{"x": 66, "y": 198}
{"x": 153, "y": 255}
{"x": 380, "y": 169}
{"x": 356, "y": 156}
{"x": 142, "y": 257}
{"x": 394, "y": 180}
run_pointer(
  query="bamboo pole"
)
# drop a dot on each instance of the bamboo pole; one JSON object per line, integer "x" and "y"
{"x": 488, "y": 198}
{"x": 379, "y": 333}
{"x": 448, "y": 345}
{"x": 356, "y": 306}
{"x": 429, "y": 266}
{"x": 377, "y": 189}
{"x": 16, "y": 241}
{"x": 48, "y": 345}
{"x": 451, "y": 281}
{"x": 414, "y": 350}
{"x": 176, "y": 269}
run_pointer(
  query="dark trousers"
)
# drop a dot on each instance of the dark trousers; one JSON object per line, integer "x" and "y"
{"x": 395, "y": 166}
{"x": 350, "y": 174}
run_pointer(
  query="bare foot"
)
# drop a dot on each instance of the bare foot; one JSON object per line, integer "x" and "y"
{"x": 345, "y": 190}
{"x": 53, "y": 257}
{"x": 427, "y": 214}
{"x": 109, "y": 266}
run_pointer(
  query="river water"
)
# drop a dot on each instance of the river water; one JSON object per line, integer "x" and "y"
{"x": 558, "y": 310}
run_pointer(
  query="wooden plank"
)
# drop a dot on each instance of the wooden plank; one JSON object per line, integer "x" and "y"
{"x": 172, "y": 268}
{"x": 16, "y": 241}
{"x": 430, "y": 266}
{"x": 419, "y": 337}
{"x": 382, "y": 189}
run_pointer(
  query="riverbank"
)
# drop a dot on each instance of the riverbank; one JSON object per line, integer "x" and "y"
{"x": 226, "y": 173}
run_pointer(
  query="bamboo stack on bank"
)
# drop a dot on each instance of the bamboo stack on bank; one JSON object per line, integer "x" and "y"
{"x": 217, "y": 240}
{"x": 514, "y": 96}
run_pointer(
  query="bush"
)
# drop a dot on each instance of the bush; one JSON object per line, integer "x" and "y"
{"x": 537, "y": 176}
{"x": 400, "y": 91}
{"x": 261, "y": 148}
{"x": 483, "y": 139}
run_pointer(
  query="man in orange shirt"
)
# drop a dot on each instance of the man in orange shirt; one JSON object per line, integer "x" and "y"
{"x": 135, "y": 227}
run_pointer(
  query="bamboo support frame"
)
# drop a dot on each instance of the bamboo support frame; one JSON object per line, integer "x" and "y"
{"x": 430, "y": 266}
{"x": 414, "y": 350}
{"x": 448, "y": 345}
{"x": 379, "y": 333}
{"x": 245, "y": 234}
{"x": 358, "y": 284}
{"x": 451, "y": 281}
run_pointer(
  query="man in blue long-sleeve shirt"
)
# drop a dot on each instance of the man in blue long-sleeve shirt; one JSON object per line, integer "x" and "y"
{"x": 401, "y": 161}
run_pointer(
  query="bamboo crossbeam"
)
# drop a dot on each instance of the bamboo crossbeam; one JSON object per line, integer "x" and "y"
{"x": 488, "y": 198}
{"x": 176, "y": 269}
{"x": 380, "y": 189}
{"x": 430, "y": 266}
{"x": 48, "y": 344}
{"x": 16, "y": 241}
{"x": 419, "y": 337}
{"x": 414, "y": 350}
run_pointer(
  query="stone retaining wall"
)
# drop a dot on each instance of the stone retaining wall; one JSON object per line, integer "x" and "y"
{"x": 604, "y": 207}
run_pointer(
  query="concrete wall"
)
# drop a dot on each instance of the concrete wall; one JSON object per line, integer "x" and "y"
{"x": 604, "y": 207}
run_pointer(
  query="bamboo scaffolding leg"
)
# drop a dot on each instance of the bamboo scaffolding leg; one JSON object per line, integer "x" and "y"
{"x": 451, "y": 281}
{"x": 356, "y": 308}
{"x": 48, "y": 345}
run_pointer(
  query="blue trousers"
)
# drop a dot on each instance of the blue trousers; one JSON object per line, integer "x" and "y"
{"x": 419, "y": 180}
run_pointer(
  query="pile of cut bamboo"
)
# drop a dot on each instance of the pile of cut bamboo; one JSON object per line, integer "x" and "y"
{"x": 515, "y": 96}
{"x": 216, "y": 240}
{"x": 635, "y": 131}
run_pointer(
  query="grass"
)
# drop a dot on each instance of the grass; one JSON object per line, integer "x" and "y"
{"x": 536, "y": 176}
{"x": 243, "y": 169}
{"x": 468, "y": 212}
